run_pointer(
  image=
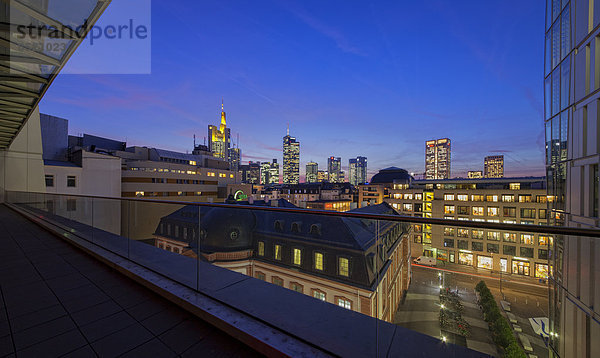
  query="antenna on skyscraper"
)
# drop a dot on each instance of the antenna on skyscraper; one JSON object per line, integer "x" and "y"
{"x": 194, "y": 141}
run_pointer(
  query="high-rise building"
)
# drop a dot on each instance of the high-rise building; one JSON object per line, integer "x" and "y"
{"x": 358, "y": 170}
{"x": 250, "y": 173}
{"x": 235, "y": 158}
{"x": 322, "y": 176}
{"x": 219, "y": 138}
{"x": 274, "y": 172}
{"x": 265, "y": 172}
{"x": 571, "y": 110}
{"x": 437, "y": 159}
{"x": 291, "y": 159}
{"x": 334, "y": 167}
{"x": 312, "y": 169}
{"x": 474, "y": 174}
{"x": 493, "y": 166}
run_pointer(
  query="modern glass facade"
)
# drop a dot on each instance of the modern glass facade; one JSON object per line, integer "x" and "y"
{"x": 571, "y": 117}
{"x": 312, "y": 170}
{"x": 437, "y": 159}
{"x": 358, "y": 170}
{"x": 291, "y": 160}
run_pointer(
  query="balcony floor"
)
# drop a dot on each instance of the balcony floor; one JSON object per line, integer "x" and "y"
{"x": 57, "y": 301}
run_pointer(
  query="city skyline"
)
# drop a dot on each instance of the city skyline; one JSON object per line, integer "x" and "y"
{"x": 326, "y": 105}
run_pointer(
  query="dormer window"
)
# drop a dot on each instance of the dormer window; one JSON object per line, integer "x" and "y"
{"x": 278, "y": 225}
{"x": 296, "y": 227}
{"x": 315, "y": 229}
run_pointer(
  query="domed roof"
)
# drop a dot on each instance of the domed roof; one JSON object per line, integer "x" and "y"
{"x": 391, "y": 175}
{"x": 227, "y": 229}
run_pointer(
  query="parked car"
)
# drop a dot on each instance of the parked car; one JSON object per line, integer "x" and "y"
{"x": 425, "y": 260}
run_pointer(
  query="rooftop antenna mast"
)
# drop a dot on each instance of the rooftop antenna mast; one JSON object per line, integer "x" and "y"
{"x": 194, "y": 141}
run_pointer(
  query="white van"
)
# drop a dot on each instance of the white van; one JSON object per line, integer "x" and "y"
{"x": 424, "y": 260}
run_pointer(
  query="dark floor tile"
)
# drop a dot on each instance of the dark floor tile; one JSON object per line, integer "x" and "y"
{"x": 42, "y": 332}
{"x": 83, "y": 352}
{"x": 4, "y": 328}
{"x": 55, "y": 347}
{"x": 153, "y": 348}
{"x": 36, "y": 318}
{"x": 186, "y": 334}
{"x": 80, "y": 303}
{"x": 219, "y": 345}
{"x": 165, "y": 320}
{"x": 68, "y": 282}
{"x": 148, "y": 308}
{"x": 6, "y": 345}
{"x": 30, "y": 305}
{"x": 122, "y": 341}
{"x": 95, "y": 313}
{"x": 105, "y": 326}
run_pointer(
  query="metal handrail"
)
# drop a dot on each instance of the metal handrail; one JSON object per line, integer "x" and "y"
{"x": 544, "y": 229}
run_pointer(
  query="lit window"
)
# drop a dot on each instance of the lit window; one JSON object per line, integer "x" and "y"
{"x": 407, "y": 207}
{"x": 514, "y": 186}
{"x": 343, "y": 268}
{"x": 319, "y": 261}
{"x": 509, "y": 237}
{"x": 508, "y": 198}
{"x": 319, "y": 295}
{"x": 192, "y": 162}
{"x": 527, "y": 239}
{"x": 49, "y": 180}
{"x": 463, "y": 197}
{"x": 139, "y": 193}
{"x": 210, "y": 174}
{"x": 277, "y": 252}
{"x": 449, "y": 209}
{"x": 493, "y": 235}
{"x": 408, "y": 196}
{"x": 342, "y": 302}
{"x": 476, "y": 197}
{"x": 493, "y": 198}
{"x": 261, "y": 248}
{"x": 231, "y": 175}
{"x": 543, "y": 240}
{"x": 297, "y": 256}
{"x": 493, "y": 211}
{"x": 477, "y": 210}
{"x": 71, "y": 181}
{"x": 449, "y": 197}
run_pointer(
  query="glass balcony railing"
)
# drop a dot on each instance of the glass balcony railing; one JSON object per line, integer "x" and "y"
{"x": 359, "y": 266}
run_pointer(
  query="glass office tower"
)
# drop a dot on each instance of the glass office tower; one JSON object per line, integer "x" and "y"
{"x": 571, "y": 116}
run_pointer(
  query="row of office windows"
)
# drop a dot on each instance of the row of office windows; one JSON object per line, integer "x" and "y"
{"x": 179, "y": 171}
{"x": 510, "y": 212}
{"x": 505, "y": 198}
{"x": 71, "y": 181}
{"x": 511, "y": 250}
{"x": 477, "y": 234}
{"x": 318, "y": 263}
{"x": 314, "y": 292}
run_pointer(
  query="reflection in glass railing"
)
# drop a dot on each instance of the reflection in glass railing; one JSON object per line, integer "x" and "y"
{"x": 362, "y": 264}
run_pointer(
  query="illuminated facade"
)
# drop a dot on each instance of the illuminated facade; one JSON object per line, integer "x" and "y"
{"x": 219, "y": 138}
{"x": 334, "y": 167}
{"x": 322, "y": 176}
{"x": 312, "y": 170}
{"x": 475, "y": 174}
{"x": 358, "y": 170}
{"x": 343, "y": 261}
{"x": 437, "y": 159}
{"x": 493, "y": 166}
{"x": 235, "y": 158}
{"x": 274, "y": 172}
{"x": 571, "y": 112}
{"x": 499, "y": 200}
{"x": 291, "y": 159}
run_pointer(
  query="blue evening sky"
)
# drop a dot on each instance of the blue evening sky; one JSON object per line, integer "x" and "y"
{"x": 370, "y": 78}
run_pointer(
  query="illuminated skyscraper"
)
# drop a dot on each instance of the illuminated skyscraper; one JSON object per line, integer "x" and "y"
{"x": 493, "y": 166}
{"x": 437, "y": 159}
{"x": 334, "y": 167}
{"x": 358, "y": 170}
{"x": 274, "y": 172}
{"x": 235, "y": 157}
{"x": 571, "y": 107}
{"x": 322, "y": 176}
{"x": 219, "y": 138}
{"x": 475, "y": 174}
{"x": 265, "y": 172}
{"x": 312, "y": 169}
{"x": 291, "y": 159}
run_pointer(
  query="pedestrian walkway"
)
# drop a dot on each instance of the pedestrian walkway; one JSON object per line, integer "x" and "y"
{"x": 421, "y": 308}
